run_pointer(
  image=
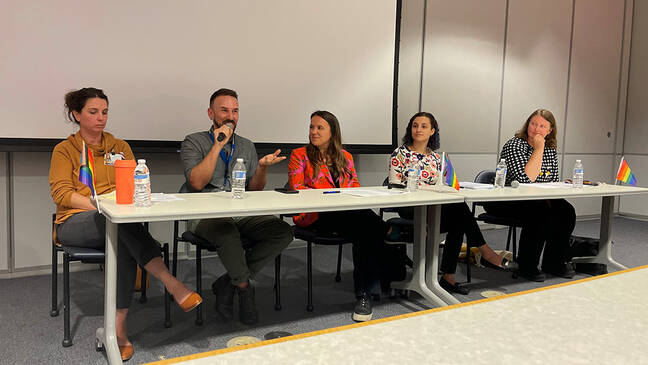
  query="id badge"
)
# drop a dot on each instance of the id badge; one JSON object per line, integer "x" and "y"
{"x": 110, "y": 158}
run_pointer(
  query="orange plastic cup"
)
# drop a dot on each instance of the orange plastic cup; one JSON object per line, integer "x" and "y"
{"x": 124, "y": 181}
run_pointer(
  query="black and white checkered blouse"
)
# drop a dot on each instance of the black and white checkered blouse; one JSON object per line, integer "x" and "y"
{"x": 517, "y": 153}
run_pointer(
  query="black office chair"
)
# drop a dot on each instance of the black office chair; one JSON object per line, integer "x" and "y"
{"x": 202, "y": 244}
{"x": 488, "y": 177}
{"x": 402, "y": 223}
{"x": 390, "y": 210}
{"x": 88, "y": 256}
{"x": 319, "y": 238}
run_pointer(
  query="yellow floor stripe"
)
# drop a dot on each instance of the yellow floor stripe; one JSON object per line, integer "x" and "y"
{"x": 382, "y": 320}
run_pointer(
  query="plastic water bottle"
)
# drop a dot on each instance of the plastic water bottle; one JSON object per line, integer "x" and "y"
{"x": 412, "y": 176}
{"x": 238, "y": 179}
{"x": 500, "y": 174}
{"x": 142, "y": 196}
{"x": 577, "y": 179}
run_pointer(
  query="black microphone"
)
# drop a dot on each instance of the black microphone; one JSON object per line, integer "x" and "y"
{"x": 221, "y": 135}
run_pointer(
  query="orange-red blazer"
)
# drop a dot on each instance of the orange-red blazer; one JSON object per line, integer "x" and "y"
{"x": 300, "y": 176}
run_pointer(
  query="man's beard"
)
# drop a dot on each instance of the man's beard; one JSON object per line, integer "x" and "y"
{"x": 226, "y": 121}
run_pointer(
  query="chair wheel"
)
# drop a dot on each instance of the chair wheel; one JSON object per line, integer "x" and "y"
{"x": 143, "y": 299}
{"x": 54, "y": 313}
{"x": 309, "y": 308}
{"x": 167, "y": 324}
{"x": 199, "y": 322}
{"x": 338, "y": 279}
{"x": 98, "y": 345}
{"x": 278, "y": 307}
{"x": 66, "y": 343}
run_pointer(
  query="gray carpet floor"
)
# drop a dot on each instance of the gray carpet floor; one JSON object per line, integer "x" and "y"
{"x": 30, "y": 336}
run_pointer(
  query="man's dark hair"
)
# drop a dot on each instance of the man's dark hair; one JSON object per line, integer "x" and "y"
{"x": 221, "y": 92}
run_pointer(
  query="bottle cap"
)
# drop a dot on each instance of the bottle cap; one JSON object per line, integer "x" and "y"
{"x": 239, "y": 160}
{"x": 141, "y": 160}
{"x": 578, "y": 160}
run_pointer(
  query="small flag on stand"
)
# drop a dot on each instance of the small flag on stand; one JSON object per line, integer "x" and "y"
{"x": 86, "y": 172}
{"x": 624, "y": 174}
{"x": 449, "y": 175}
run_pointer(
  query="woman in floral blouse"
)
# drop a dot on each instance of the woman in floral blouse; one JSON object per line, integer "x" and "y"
{"x": 419, "y": 143}
{"x": 323, "y": 164}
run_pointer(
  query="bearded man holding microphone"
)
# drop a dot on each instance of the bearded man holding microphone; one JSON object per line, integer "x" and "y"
{"x": 209, "y": 158}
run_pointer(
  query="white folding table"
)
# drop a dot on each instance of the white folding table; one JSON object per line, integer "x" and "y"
{"x": 216, "y": 205}
{"x": 607, "y": 193}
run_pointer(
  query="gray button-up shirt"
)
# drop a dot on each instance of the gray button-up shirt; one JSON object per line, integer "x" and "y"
{"x": 197, "y": 145}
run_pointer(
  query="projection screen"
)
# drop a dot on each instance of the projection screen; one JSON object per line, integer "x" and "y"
{"x": 159, "y": 62}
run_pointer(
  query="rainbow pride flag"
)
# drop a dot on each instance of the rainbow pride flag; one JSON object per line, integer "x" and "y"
{"x": 625, "y": 174}
{"x": 449, "y": 175}
{"x": 86, "y": 172}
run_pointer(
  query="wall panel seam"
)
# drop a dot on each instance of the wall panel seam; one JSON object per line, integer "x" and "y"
{"x": 420, "y": 98}
{"x": 620, "y": 77}
{"x": 501, "y": 106}
{"x": 569, "y": 64}
{"x": 625, "y": 118}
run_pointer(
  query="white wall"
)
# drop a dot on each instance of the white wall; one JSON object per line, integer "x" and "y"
{"x": 489, "y": 64}
{"x": 536, "y": 62}
{"x": 32, "y": 209}
{"x": 593, "y": 95}
{"x": 464, "y": 42}
{"x": 636, "y": 129}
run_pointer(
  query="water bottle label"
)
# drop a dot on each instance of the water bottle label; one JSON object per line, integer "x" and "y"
{"x": 578, "y": 171}
{"x": 139, "y": 177}
{"x": 239, "y": 174}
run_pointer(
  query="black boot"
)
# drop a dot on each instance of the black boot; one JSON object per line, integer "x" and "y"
{"x": 247, "y": 308}
{"x": 224, "y": 291}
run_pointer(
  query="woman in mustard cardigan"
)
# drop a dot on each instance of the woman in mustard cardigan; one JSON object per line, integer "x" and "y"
{"x": 80, "y": 224}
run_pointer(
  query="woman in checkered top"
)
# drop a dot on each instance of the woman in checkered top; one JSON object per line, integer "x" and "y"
{"x": 531, "y": 158}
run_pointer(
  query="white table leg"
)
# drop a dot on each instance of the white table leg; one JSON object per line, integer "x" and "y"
{"x": 417, "y": 282}
{"x": 107, "y": 335}
{"x": 605, "y": 247}
{"x": 433, "y": 241}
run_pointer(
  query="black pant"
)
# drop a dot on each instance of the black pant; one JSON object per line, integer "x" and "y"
{"x": 367, "y": 232}
{"x": 134, "y": 246}
{"x": 456, "y": 220}
{"x": 551, "y": 221}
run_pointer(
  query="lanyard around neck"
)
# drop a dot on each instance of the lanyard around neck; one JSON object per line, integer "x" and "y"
{"x": 226, "y": 158}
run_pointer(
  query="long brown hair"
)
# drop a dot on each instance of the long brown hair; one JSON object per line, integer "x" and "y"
{"x": 550, "y": 139}
{"x": 334, "y": 154}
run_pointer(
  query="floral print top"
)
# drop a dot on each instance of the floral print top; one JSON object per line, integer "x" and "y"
{"x": 300, "y": 176}
{"x": 428, "y": 164}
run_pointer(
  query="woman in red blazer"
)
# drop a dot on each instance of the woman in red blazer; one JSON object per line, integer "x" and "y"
{"x": 323, "y": 164}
